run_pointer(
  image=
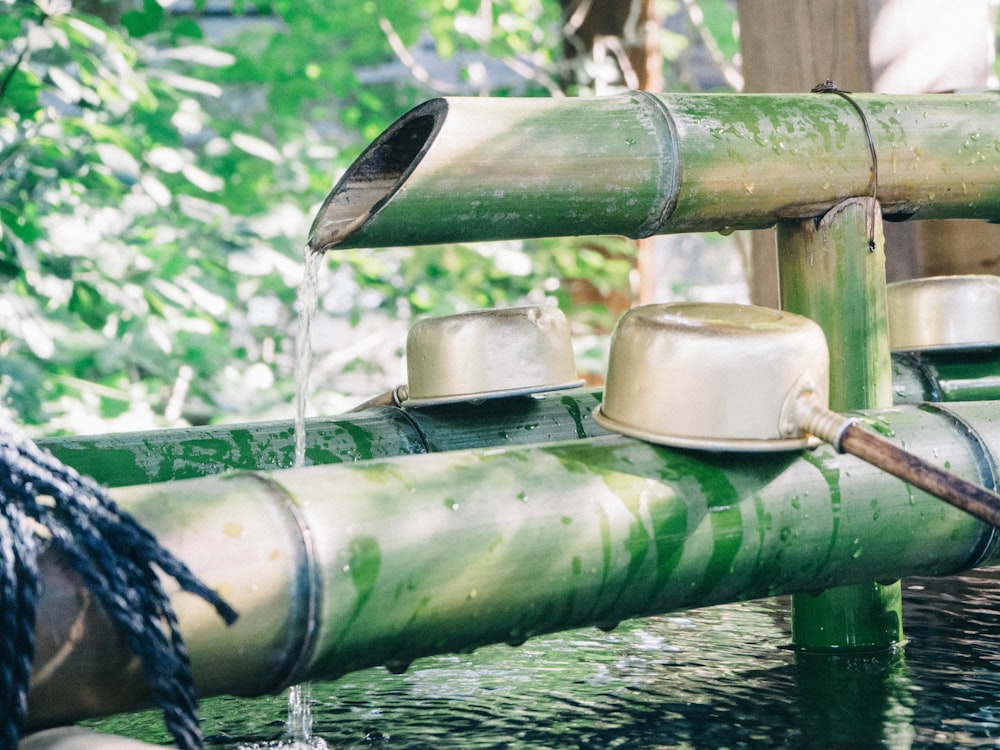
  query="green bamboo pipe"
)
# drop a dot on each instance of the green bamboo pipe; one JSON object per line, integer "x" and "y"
{"x": 829, "y": 273}
{"x": 832, "y": 270}
{"x": 80, "y": 738}
{"x": 637, "y": 164}
{"x": 185, "y": 453}
{"x": 946, "y": 375}
{"x": 120, "y": 459}
{"x": 344, "y": 567}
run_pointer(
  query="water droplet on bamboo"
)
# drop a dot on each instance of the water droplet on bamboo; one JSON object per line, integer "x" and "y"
{"x": 397, "y": 666}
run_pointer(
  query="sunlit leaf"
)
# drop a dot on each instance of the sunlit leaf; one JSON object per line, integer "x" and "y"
{"x": 201, "y": 55}
{"x": 67, "y": 84}
{"x": 188, "y": 83}
{"x": 256, "y": 147}
{"x": 170, "y": 160}
{"x": 87, "y": 29}
{"x": 203, "y": 180}
{"x": 121, "y": 163}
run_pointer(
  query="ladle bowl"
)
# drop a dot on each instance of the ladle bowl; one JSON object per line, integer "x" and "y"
{"x": 940, "y": 312}
{"x": 713, "y": 376}
{"x": 745, "y": 378}
{"x": 488, "y": 354}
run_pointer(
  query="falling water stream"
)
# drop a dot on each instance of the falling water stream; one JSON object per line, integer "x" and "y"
{"x": 300, "y": 696}
{"x": 306, "y": 302}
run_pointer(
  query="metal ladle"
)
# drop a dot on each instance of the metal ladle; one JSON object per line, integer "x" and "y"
{"x": 722, "y": 377}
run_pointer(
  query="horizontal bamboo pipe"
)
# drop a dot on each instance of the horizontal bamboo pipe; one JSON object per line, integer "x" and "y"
{"x": 344, "y": 567}
{"x": 81, "y": 738}
{"x": 846, "y": 435}
{"x": 946, "y": 375}
{"x": 185, "y": 453}
{"x": 121, "y": 459}
{"x": 637, "y": 164}
{"x": 973, "y": 499}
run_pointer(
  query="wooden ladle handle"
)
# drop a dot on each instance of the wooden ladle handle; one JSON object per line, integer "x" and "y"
{"x": 848, "y": 436}
{"x": 876, "y": 450}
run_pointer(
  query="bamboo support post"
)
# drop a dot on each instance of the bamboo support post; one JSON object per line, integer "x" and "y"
{"x": 833, "y": 271}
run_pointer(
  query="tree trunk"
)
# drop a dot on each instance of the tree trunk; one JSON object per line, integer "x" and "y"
{"x": 611, "y": 44}
{"x": 625, "y": 33}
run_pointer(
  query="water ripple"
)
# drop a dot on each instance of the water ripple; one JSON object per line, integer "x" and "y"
{"x": 711, "y": 678}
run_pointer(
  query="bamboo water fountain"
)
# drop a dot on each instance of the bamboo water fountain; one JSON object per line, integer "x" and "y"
{"x": 392, "y": 557}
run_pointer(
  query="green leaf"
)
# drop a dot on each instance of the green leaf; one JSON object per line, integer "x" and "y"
{"x": 186, "y": 28}
{"x": 87, "y": 302}
{"x": 21, "y": 95}
{"x": 140, "y": 23}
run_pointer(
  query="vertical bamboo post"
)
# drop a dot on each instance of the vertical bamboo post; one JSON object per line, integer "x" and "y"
{"x": 833, "y": 271}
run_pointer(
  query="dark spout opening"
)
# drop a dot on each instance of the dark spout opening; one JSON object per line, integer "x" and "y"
{"x": 371, "y": 181}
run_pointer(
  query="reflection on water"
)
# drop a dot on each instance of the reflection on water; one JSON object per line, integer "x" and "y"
{"x": 712, "y": 678}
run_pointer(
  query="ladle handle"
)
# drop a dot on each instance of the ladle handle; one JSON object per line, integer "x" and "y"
{"x": 395, "y": 397}
{"x": 876, "y": 450}
{"x": 847, "y": 436}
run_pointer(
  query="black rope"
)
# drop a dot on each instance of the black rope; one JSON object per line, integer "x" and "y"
{"x": 18, "y": 594}
{"x": 42, "y": 499}
{"x": 829, "y": 87}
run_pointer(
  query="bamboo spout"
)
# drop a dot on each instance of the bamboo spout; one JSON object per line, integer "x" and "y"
{"x": 637, "y": 164}
{"x": 465, "y": 169}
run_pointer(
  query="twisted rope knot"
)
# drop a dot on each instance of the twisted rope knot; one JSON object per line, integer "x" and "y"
{"x": 116, "y": 558}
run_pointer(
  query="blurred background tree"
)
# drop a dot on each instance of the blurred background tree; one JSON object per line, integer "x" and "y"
{"x": 161, "y": 164}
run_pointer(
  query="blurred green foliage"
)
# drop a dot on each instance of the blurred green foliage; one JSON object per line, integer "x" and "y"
{"x": 156, "y": 187}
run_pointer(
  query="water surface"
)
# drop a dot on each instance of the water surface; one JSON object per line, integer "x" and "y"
{"x": 721, "y": 677}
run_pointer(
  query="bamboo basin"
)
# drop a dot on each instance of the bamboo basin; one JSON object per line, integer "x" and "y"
{"x": 387, "y": 560}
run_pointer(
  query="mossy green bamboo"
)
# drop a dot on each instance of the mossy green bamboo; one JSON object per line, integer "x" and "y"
{"x": 960, "y": 374}
{"x": 122, "y": 459}
{"x": 636, "y": 164}
{"x": 185, "y": 453}
{"x": 829, "y": 273}
{"x": 833, "y": 271}
{"x": 343, "y": 567}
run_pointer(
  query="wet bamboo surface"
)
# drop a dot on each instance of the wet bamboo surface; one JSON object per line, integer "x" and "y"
{"x": 874, "y": 449}
{"x": 184, "y": 453}
{"x": 637, "y": 164}
{"x": 342, "y": 567}
{"x": 832, "y": 270}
